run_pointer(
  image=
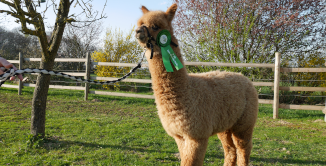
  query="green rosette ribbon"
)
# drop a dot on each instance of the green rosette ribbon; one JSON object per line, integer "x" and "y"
{"x": 168, "y": 55}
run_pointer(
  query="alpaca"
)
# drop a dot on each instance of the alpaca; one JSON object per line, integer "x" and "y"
{"x": 193, "y": 107}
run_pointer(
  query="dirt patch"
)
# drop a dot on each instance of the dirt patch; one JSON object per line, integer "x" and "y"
{"x": 287, "y": 142}
{"x": 96, "y": 100}
{"x": 177, "y": 155}
{"x": 283, "y": 122}
{"x": 318, "y": 121}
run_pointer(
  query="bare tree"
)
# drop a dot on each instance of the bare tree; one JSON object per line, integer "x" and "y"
{"x": 79, "y": 39}
{"x": 27, "y": 12}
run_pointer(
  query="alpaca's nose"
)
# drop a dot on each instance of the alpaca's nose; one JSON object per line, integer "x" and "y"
{"x": 140, "y": 35}
{"x": 139, "y": 30}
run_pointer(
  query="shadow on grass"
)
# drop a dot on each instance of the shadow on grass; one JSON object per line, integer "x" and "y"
{"x": 215, "y": 155}
{"x": 287, "y": 161}
{"x": 62, "y": 143}
{"x": 211, "y": 155}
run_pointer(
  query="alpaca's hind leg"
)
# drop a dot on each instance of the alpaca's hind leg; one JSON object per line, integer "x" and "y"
{"x": 243, "y": 143}
{"x": 193, "y": 152}
{"x": 230, "y": 155}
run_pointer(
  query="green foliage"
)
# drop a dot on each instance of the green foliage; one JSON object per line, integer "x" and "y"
{"x": 118, "y": 47}
{"x": 302, "y": 79}
{"x": 314, "y": 60}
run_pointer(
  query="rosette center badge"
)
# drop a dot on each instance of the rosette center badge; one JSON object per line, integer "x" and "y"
{"x": 164, "y": 39}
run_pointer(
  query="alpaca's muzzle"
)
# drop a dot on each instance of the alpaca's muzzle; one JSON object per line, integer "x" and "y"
{"x": 141, "y": 35}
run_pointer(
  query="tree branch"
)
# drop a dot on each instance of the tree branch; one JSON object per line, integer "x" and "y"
{"x": 23, "y": 20}
{"x": 38, "y": 23}
{"x": 59, "y": 27}
{"x": 8, "y": 3}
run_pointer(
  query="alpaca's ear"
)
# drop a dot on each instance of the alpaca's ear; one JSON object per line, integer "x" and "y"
{"x": 171, "y": 11}
{"x": 144, "y": 9}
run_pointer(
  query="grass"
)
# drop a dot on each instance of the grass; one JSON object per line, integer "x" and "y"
{"x": 127, "y": 131}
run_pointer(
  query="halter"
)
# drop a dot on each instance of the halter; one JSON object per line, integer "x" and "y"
{"x": 149, "y": 43}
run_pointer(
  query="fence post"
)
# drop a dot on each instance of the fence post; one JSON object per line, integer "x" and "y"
{"x": 20, "y": 87}
{"x": 324, "y": 111}
{"x": 87, "y": 74}
{"x": 276, "y": 84}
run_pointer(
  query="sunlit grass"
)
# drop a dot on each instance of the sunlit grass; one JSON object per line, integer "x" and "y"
{"x": 127, "y": 131}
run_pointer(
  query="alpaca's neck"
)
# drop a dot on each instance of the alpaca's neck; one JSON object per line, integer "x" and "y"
{"x": 167, "y": 83}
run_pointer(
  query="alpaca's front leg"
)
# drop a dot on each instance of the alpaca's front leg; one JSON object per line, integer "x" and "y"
{"x": 180, "y": 142}
{"x": 193, "y": 152}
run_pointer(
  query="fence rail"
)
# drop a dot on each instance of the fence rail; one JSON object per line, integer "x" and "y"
{"x": 275, "y": 85}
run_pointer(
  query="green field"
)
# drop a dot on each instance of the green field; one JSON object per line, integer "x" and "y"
{"x": 127, "y": 131}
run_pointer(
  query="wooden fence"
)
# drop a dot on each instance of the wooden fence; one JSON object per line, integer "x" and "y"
{"x": 275, "y": 85}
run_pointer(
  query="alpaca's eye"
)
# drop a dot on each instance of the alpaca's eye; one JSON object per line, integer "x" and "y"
{"x": 155, "y": 28}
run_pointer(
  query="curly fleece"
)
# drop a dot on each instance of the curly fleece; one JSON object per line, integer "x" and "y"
{"x": 193, "y": 107}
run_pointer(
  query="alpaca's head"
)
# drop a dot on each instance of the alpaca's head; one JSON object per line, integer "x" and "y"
{"x": 152, "y": 22}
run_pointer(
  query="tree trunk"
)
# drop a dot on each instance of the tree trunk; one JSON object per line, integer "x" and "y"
{"x": 49, "y": 51}
{"x": 39, "y": 101}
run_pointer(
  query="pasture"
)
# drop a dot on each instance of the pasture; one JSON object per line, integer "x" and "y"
{"x": 108, "y": 130}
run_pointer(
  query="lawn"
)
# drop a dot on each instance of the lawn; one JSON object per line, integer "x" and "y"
{"x": 127, "y": 131}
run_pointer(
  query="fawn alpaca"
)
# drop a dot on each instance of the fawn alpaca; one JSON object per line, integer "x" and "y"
{"x": 193, "y": 107}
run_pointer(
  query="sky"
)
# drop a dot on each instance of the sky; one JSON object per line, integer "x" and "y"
{"x": 121, "y": 14}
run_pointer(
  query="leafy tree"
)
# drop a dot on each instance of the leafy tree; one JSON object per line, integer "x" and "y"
{"x": 118, "y": 47}
{"x": 27, "y": 12}
{"x": 249, "y": 30}
{"x": 12, "y": 42}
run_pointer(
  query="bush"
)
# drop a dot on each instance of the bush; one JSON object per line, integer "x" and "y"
{"x": 118, "y": 47}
